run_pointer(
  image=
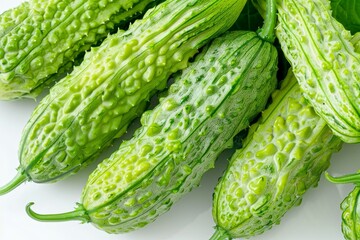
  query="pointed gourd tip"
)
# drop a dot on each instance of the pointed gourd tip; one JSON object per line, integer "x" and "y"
{"x": 14, "y": 183}
{"x": 353, "y": 178}
{"x": 28, "y": 209}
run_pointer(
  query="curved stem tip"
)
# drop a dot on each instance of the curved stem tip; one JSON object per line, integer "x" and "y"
{"x": 349, "y": 178}
{"x": 78, "y": 214}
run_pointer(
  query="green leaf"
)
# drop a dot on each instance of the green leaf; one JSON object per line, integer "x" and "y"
{"x": 348, "y": 13}
{"x": 249, "y": 19}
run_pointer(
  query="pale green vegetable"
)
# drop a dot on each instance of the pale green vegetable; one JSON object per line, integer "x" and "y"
{"x": 217, "y": 96}
{"x": 40, "y": 40}
{"x": 350, "y": 224}
{"x": 284, "y": 154}
{"x": 355, "y": 40}
{"x": 324, "y": 61}
{"x": 94, "y": 104}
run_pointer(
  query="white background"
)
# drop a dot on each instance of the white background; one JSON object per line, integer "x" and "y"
{"x": 318, "y": 217}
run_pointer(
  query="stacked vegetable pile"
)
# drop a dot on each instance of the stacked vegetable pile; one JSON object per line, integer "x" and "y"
{"x": 287, "y": 86}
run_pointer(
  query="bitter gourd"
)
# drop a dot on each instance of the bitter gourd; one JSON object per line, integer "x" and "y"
{"x": 350, "y": 224}
{"x": 283, "y": 155}
{"x": 94, "y": 104}
{"x": 324, "y": 62}
{"x": 39, "y": 40}
{"x": 355, "y": 40}
{"x": 217, "y": 96}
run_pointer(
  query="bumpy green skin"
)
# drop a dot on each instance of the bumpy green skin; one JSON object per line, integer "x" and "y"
{"x": 355, "y": 40}
{"x": 324, "y": 61}
{"x": 284, "y": 155}
{"x": 13, "y": 17}
{"x": 94, "y": 104}
{"x": 350, "y": 206}
{"x": 40, "y": 40}
{"x": 351, "y": 215}
{"x": 217, "y": 96}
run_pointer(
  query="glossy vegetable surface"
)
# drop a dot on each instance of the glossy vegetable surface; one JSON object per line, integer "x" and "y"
{"x": 216, "y": 97}
{"x": 94, "y": 104}
{"x": 284, "y": 154}
{"x": 40, "y": 40}
{"x": 324, "y": 62}
{"x": 318, "y": 217}
{"x": 350, "y": 207}
{"x": 351, "y": 215}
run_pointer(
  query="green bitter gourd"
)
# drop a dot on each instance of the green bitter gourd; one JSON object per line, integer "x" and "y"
{"x": 350, "y": 224}
{"x": 355, "y": 40}
{"x": 40, "y": 40}
{"x": 217, "y": 96}
{"x": 284, "y": 154}
{"x": 324, "y": 62}
{"x": 94, "y": 104}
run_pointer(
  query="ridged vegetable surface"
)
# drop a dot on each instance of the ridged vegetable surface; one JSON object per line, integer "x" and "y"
{"x": 94, "y": 104}
{"x": 355, "y": 40}
{"x": 40, "y": 40}
{"x": 351, "y": 215}
{"x": 217, "y": 96}
{"x": 324, "y": 62}
{"x": 284, "y": 154}
{"x": 350, "y": 224}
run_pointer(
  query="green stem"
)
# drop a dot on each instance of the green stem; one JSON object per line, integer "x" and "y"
{"x": 267, "y": 32}
{"x": 220, "y": 234}
{"x": 349, "y": 178}
{"x": 79, "y": 214}
{"x": 16, "y": 181}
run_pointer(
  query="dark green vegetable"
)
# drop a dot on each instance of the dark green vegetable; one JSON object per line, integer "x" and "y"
{"x": 348, "y": 13}
{"x": 94, "y": 104}
{"x": 284, "y": 154}
{"x": 40, "y": 40}
{"x": 217, "y": 96}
